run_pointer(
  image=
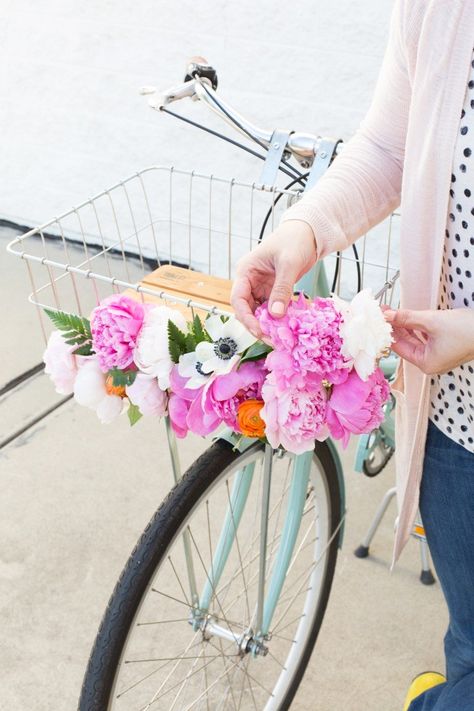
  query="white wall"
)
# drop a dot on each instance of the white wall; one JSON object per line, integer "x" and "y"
{"x": 71, "y": 122}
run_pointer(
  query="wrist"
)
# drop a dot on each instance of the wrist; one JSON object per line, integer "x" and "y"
{"x": 302, "y": 231}
{"x": 471, "y": 333}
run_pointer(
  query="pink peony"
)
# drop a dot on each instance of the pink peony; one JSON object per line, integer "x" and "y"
{"x": 202, "y": 410}
{"x": 181, "y": 399}
{"x": 356, "y": 406}
{"x": 307, "y": 343}
{"x": 146, "y": 394}
{"x": 294, "y": 418}
{"x": 178, "y": 409}
{"x": 115, "y": 325}
{"x": 223, "y": 394}
{"x": 60, "y": 363}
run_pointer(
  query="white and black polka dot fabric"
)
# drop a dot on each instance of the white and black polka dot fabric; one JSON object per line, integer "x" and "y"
{"x": 452, "y": 394}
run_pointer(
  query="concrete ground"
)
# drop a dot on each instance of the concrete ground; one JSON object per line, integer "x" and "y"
{"x": 75, "y": 497}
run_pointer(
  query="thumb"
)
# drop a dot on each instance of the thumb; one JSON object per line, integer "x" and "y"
{"x": 282, "y": 290}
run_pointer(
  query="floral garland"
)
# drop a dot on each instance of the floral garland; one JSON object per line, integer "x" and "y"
{"x": 314, "y": 375}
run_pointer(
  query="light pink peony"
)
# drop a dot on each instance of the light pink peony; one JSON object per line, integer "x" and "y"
{"x": 146, "y": 394}
{"x": 115, "y": 325}
{"x": 92, "y": 390}
{"x": 60, "y": 363}
{"x": 356, "y": 406}
{"x": 307, "y": 343}
{"x": 223, "y": 394}
{"x": 293, "y": 418}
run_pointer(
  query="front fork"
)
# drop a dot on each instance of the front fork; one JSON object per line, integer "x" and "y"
{"x": 252, "y": 640}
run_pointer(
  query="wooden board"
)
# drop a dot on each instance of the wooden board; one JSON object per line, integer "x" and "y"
{"x": 186, "y": 284}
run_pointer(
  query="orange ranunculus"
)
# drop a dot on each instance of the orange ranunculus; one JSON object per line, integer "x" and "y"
{"x": 249, "y": 420}
{"x": 114, "y": 389}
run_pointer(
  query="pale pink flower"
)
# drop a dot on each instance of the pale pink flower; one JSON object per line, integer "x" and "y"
{"x": 91, "y": 389}
{"x": 147, "y": 395}
{"x": 115, "y": 325}
{"x": 152, "y": 354}
{"x": 365, "y": 332}
{"x": 307, "y": 343}
{"x": 60, "y": 363}
{"x": 356, "y": 406}
{"x": 293, "y": 418}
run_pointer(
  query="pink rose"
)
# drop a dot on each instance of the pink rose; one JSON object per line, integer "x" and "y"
{"x": 115, "y": 325}
{"x": 294, "y": 418}
{"x": 356, "y": 406}
{"x": 60, "y": 363}
{"x": 146, "y": 394}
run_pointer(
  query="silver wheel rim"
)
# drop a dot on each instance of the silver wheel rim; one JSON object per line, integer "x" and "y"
{"x": 209, "y": 675}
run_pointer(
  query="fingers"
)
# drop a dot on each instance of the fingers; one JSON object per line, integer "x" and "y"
{"x": 282, "y": 291}
{"x": 411, "y": 349}
{"x": 242, "y": 302}
{"x": 410, "y": 319}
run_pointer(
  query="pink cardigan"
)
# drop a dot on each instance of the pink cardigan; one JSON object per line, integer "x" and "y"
{"x": 402, "y": 154}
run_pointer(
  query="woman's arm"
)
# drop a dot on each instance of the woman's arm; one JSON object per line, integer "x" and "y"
{"x": 361, "y": 187}
{"x": 363, "y": 184}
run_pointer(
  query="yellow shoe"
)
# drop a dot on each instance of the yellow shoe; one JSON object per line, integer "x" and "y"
{"x": 420, "y": 684}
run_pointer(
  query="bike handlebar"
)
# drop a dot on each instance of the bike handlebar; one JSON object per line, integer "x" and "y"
{"x": 199, "y": 85}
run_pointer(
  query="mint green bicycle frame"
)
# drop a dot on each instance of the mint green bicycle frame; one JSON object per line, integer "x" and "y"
{"x": 314, "y": 283}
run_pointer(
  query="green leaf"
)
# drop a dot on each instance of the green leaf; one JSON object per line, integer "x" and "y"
{"x": 176, "y": 335}
{"x": 200, "y": 334}
{"x": 190, "y": 343}
{"x": 75, "y": 329}
{"x": 256, "y": 351}
{"x": 85, "y": 350}
{"x": 134, "y": 414}
{"x": 176, "y": 341}
{"x": 122, "y": 378}
{"x": 174, "y": 351}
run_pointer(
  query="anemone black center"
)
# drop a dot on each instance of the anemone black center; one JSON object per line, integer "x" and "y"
{"x": 225, "y": 348}
{"x": 198, "y": 367}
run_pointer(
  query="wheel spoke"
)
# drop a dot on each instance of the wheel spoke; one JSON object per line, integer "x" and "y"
{"x": 212, "y": 584}
{"x": 179, "y": 580}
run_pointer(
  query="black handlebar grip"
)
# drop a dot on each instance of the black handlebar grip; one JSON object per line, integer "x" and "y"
{"x": 199, "y": 67}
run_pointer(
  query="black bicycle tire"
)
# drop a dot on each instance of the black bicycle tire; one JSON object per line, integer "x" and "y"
{"x": 147, "y": 554}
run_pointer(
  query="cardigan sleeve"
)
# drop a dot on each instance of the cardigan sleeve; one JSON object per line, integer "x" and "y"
{"x": 363, "y": 184}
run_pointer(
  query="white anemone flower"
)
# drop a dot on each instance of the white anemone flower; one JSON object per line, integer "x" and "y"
{"x": 229, "y": 340}
{"x": 191, "y": 368}
{"x": 364, "y": 331}
{"x": 151, "y": 351}
{"x": 92, "y": 389}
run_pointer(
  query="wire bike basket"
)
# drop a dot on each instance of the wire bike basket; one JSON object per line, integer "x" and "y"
{"x": 163, "y": 215}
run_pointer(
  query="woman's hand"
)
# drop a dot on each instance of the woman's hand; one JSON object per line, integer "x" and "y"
{"x": 435, "y": 341}
{"x": 271, "y": 270}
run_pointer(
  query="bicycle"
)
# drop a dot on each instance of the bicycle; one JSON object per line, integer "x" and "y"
{"x": 221, "y": 601}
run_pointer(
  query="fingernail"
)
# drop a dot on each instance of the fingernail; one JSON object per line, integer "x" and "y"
{"x": 389, "y": 313}
{"x": 278, "y": 308}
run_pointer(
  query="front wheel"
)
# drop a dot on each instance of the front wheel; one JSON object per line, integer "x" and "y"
{"x": 156, "y": 649}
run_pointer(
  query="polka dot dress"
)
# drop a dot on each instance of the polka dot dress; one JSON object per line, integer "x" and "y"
{"x": 452, "y": 393}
